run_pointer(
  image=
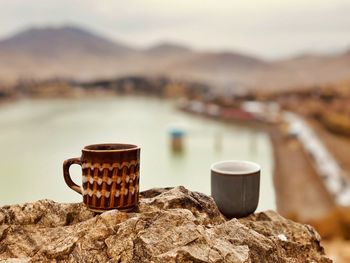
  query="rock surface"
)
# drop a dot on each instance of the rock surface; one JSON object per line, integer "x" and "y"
{"x": 170, "y": 225}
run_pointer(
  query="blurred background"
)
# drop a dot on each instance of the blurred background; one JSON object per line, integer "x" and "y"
{"x": 192, "y": 83}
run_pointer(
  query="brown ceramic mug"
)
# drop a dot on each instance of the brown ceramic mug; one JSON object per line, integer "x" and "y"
{"x": 235, "y": 187}
{"x": 110, "y": 176}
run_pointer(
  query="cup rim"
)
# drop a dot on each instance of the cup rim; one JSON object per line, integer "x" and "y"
{"x": 256, "y": 168}
{"x": 128, "y": 147}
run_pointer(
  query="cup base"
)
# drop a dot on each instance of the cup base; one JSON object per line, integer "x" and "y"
{"x": 229, "y": 216}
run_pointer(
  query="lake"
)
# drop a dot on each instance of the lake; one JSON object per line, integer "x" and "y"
{"x": 38, "y": 135}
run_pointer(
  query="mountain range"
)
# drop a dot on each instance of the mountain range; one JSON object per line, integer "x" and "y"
{"x": 74, "y": 52}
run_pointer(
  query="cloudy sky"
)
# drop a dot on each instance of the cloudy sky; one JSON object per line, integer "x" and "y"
{"x": 268, "y": 28}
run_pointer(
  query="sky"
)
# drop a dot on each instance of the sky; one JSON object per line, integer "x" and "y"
{"x": 266, "y": 28}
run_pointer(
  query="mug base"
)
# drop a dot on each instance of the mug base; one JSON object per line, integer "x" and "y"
{"x": 101, "y": 210}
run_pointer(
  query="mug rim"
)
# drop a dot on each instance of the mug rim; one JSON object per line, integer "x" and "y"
{"x": 128, "y": 147}
{"x": 223, "y": 172}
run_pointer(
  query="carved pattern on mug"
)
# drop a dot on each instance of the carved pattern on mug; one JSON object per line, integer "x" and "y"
{"x": 107, "y": 193}
{"x": 108, "y": 166}
{"x": 103, "y": 182}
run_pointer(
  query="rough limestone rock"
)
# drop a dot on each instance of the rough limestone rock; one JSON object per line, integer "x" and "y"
{"x": 170, "y": 225}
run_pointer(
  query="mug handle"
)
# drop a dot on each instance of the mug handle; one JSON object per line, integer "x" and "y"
{"x": 67, "y": 163}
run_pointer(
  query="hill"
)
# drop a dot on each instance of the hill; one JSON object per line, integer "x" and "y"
{"x": 75, "y": 52}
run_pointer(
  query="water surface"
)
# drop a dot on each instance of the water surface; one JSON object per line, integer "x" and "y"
{"x": 37, "y": 135}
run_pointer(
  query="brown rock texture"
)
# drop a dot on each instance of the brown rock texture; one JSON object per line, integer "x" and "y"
{"x": 170, "y": 225}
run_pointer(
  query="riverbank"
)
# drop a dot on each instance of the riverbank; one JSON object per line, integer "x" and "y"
{"x": 300, "y": 193}
{"x": 337, "y": 144}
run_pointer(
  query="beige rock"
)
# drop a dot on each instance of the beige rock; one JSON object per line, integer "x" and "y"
{"x": 170, "y": 225}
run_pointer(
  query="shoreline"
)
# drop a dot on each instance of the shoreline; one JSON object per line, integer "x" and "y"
{"x": 301, "y": 194}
